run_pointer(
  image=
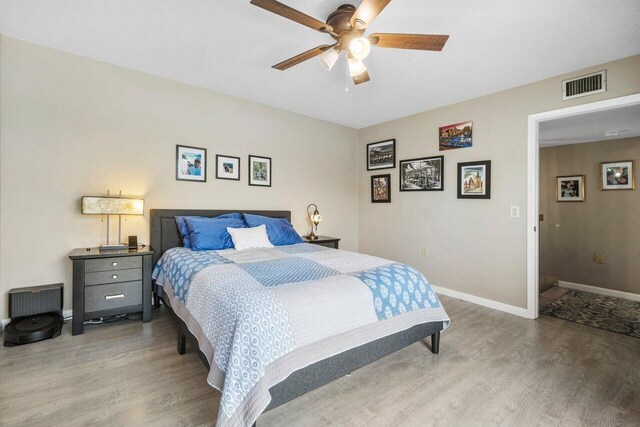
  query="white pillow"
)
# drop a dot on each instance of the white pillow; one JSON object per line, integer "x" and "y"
{"x": 246, "y": 238}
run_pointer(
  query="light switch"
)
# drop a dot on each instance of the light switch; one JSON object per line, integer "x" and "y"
{"x": 515, "y": 211}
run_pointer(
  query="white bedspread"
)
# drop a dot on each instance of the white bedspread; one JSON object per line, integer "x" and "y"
{"x": 261, "y": 314}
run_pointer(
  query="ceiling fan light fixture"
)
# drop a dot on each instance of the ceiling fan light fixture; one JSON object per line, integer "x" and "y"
{"x": 329, "y": 58}
{"x": 360, "y": 47}
{"x": 347, "y": 25}
{"x": 356, "y": 67}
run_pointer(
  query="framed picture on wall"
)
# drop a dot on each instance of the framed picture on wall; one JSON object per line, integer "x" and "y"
{"x": 227, "y": 167}
{"x": 455, "y": 136}
{"x": 381, "y": 188}
{"x": 425, "y": 174}
{"x": 570, "y": 188}
{"x": 191, "y": 163}
{"x": 474, "y": 180}
{"x": 619, "y": 175}
{"x": 381, "y": 155}
{"x": 260, "y": 171}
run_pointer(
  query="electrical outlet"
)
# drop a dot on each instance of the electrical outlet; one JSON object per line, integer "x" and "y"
{"x": 425, "y": 252}
{"x": 515, "y": 211}
{"x": 598, "y": 259}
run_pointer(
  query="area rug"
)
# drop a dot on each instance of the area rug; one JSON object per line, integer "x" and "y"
{"x": 599, "y": 311}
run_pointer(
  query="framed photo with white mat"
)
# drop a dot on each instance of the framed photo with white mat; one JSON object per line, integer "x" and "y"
{"x": 474, "y": 180}
{"x": 191, "y": 163}
{"x": 618, "y": 175}
{"x": 227, "y": 167}
{"x": 570, "y": 188}
{"x": 259, "y": 171}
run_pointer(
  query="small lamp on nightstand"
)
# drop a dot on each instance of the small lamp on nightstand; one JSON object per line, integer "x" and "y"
{"x": 112, "y": 206}
{"x": 315, "y": 219}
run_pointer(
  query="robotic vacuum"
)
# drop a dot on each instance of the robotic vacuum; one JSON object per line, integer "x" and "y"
{"x": 25, "y": 330}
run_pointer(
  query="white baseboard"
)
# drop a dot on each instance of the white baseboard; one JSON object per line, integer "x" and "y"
{"x": 597, "y": 290}
{"x": 511, "y": 309}
{"x": 65, "y": 314}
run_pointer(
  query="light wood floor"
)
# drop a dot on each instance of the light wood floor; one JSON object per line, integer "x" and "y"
{"x": 493, "y": 369}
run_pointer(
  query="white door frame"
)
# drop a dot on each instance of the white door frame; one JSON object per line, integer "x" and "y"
{"x": 533, "y": 195}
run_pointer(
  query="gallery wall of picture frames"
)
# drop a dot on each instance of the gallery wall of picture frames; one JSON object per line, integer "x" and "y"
{"x": 191, "y": 165}
{"x": 613, "y": 176}
{"x": 427, "y": 173}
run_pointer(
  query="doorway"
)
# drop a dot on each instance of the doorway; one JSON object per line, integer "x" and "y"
{"x": 536, "y": 121}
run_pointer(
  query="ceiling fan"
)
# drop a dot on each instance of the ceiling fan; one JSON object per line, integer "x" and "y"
{"x": 347, "y": 26}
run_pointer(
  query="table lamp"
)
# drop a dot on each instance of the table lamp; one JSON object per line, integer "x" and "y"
{"x": 315, "y": 219}
{"x": 99, "y": 205}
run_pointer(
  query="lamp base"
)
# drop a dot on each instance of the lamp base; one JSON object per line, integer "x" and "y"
{"x": 119, "y": 247}
{"x": 312, "y": 236}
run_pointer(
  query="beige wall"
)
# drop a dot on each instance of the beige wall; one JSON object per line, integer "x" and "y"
{"x": 72, "y": 126}
{"x": 474, "y": 246}
{"x": 607, "y": 223}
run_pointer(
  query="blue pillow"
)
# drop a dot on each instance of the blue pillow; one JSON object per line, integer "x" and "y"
{"x": 184, "y": 232}
{"x": 279, "y": 230}
{"x": 211, "y": 233}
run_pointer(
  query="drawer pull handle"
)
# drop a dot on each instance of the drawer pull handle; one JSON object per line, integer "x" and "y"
{"x": 114, "y": 263}
{"x": 115, "y": 276}
{"x": 107, "y": 297}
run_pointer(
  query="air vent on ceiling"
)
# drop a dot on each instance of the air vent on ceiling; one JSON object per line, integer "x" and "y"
{"x": 584, "y": 85}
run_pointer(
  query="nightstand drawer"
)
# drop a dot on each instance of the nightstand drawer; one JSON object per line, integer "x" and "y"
{"x": 105, "y": 297}
{"x": 113, "y": 276}
{"x": 108, "y": 264}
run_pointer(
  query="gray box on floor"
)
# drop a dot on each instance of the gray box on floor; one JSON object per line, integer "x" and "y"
{"x": 35, "y": 300}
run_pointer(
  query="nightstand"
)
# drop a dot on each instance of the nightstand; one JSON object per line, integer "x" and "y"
{"x": 110, "y": 283}
{"x": 330, "y": 242}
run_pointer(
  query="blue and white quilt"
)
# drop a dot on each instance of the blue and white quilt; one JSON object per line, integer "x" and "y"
{"x": 260, "y": 314}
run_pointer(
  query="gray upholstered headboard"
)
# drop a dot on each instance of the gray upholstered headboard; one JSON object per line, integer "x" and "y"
{"x": 164, "y": 231}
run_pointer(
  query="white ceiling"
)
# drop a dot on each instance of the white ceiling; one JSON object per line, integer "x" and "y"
{"x": 615, "y": 123}
{"x": 230, "y": 45}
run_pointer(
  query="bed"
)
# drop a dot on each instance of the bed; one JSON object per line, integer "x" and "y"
{"x": 273, "y": 324}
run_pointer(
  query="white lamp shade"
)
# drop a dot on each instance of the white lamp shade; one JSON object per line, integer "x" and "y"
{"x": 112, "y": 206}
{"x": 359, "y": 47}
{"x": 329, "y": 58}
{"x": 356, "y": 67}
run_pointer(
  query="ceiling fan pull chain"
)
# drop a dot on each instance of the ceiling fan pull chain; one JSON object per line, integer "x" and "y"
{"x": 348, "y": 77}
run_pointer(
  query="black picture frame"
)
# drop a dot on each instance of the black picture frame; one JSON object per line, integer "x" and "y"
{"x": 402, "y": 173}
{"x": 180, "y": 166}
{"x": 269, "y": 172}
{"x": 485, "y": 181}
{"x": 373, "y": 195}
{"x": 218, "y": 171}
{"x": 387, "y": 165}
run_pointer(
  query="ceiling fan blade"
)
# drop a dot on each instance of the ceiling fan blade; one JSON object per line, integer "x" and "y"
{"x": 361, "y": 78}
{"x": 292, "y": 14}
{"x": 367, "y": 12}
{"x": 302, "y": 57}
{"x": 409, "y": 41}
